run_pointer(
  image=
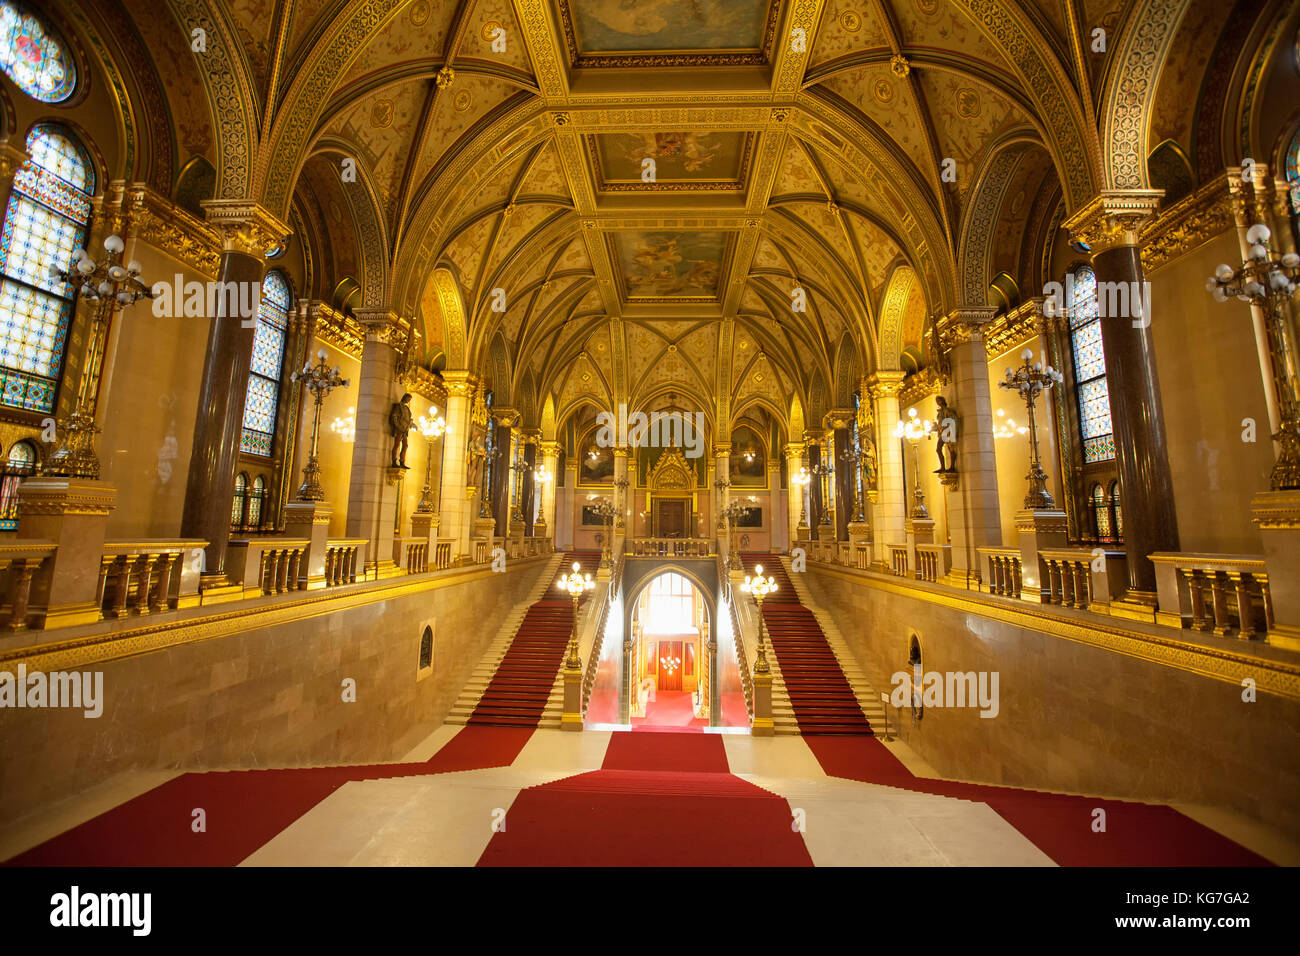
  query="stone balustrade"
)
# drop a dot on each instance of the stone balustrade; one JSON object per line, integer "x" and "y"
{"x": 898, "y": 559}
{"x": 143, "y": 577}
{"x": 482, "y": 550}
{"x": 267, "y": 565}
{"x": 444, "y": 552}
{"x": 19, "y": 562}
{"x": 1085, "y": 578}
{"x": 342, "y": 558}
{"x": 1220, "y": 593}
{"x": 933, "y": 562}
{"x": 669, "y": 547}
{"x": 412, "y": 554}
{"x": 1003, "y": 566}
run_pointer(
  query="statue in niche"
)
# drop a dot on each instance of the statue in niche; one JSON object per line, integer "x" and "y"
{"x": 400, "y": 424}
{"x": 945, "y": 431}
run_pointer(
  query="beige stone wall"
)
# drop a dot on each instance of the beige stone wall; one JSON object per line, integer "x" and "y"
{"x": 1209, "y": 382}
{"x": 1075, "y": 717}
{"x": 269, "y": 696}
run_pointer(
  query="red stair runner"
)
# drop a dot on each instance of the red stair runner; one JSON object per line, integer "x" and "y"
{"x": 521, "y": 686}
{"x": 822, "y": 699}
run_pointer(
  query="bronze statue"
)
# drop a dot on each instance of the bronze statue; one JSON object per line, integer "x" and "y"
{"x": 400, "y": 424}
{"x": 945, "y": 429}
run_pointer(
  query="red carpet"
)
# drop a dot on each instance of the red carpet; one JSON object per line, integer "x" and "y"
{"x": 660, "y": 799}
{"x": 671, "y": 710}
{"x": 522, "y": 684}
{"x": 1137, "y": 834}
{"x": 244, "y": 808}
{"x": 822, "y": 699}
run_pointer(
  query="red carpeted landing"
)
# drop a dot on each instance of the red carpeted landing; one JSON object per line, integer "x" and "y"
{"x": 1136, "y": 834}
{"x": 671, "y": 710}
{"x": 822, "y": 699}
{"x": 659, "y": 799}
{"x": 522, "y": 684}
{"x": 244, "y": 809}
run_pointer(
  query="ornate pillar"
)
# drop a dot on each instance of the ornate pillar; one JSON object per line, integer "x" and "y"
{"x": 839, "y": 422}
{"x": 455, "y": 502}
{"x": 796, "y": 504}
{"x": 618, "y": 527}
{"x": 247, "y": 231}
{"x": 550, "y": 451}
{"x": 1109, "y": 225}
{"x": 501, "y": 499}
{"x": 527, "y": 485}
{"x": 974, "y": 518}
{"x": 372, "y": 483}
{"x": 722, "y": 495}
{"x": 890, "y": 509}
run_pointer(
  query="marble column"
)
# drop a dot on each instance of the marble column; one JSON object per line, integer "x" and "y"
{"x": 620, "y": 497}
{"x": 839, "y": 422}
{"x": 528, "y": 486}
{"x": 372, "y": 482}
{"x": 1110, "y": 226}
{"x": 796, "y": 502}
{"x": 722, "y": 495}
{"x": 550, "y": 451}
{"x": 891, "y": 507}
{"x": 454, "y": 502}
{"x": 974, "y": 515}
{"x": 247, "y": 231}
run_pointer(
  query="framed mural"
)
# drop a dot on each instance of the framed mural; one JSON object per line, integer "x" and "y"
{"x": 750, "y": 518}
{"x": 748, "y": 459}
{"x": 595, "y": 462}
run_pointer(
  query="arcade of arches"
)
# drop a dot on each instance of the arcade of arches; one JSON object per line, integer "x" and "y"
{"x": 972, "y": 323}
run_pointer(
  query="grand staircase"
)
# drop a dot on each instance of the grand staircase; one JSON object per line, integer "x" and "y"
{"x": 517, "y": 683}
{"x": 813, "y": 682}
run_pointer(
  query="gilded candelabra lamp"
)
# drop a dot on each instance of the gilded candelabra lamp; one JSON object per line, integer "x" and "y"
{"x": 517, "y": 468}
{"x": 915, "y": 430}
{"x": 432, "y": 428}
{"x": 621, "y": 485}
{"x": 1269, "y": 283}
{"x": 730, "y": 515}
{"x": 576, "y": 584}
{"x": 823, "y": 473}
{"x": 112, "y": 285}
{"x": 320, "y": 380}
{"x": 852, "y": 458}
{"x": 605, "y": 509}
{"x": 491, "y": 452}
{"x": 759, "y": 588}
{"x": 1031, "y": 379}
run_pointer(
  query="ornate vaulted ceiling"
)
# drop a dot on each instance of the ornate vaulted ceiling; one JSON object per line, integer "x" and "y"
{"x": 741, "y": 201}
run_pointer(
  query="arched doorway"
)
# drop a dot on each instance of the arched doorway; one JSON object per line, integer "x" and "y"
{"x": 668, "y": 658}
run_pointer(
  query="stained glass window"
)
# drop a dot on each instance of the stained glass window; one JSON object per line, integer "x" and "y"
{"x": 33, "y": 58}
{"x": 1116, "y": 510}
{"x": 263, "y": 396}
{"x": 237, "y": 508}
{"x": 1293, "y": 169}
{"x": 20, "y": 464}
{"x": 255, "y": 502}
{"x": 47, "y": 218}
{"x": 1101, "y": 512}
{"x": 1090, "y": 368}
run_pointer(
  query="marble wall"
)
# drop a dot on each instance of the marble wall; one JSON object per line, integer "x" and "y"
{"x": 271, "y": 696}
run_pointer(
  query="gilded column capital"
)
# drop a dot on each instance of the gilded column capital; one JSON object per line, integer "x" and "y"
{"x": 461, "y": 383}
{"x": 1113, "y": 218}
{"x": 244, "y": 226}
{"x": 795, "y": 449}
{"x": 620, "y": 451}
{"x": 721, "y": 449}
{"x": 506, "y": 417}
{"x": 11, "y": 160}
{"x": 886, "y": 384}
{"x": 531, "y": 436}
{"x": 384, "y": 325}
{"x": 549, "y": 449}
{"x": 838, "y": 418}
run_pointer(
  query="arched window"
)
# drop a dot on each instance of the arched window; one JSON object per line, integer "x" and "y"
{"x": 1089, "y": 368}
{"x": 263, "y": 395}
{"x": 47, "y": 219}
{"x": 255, "y": 498}
{"x": 426, "y": 648}
{"x": 20, "y": 463}
{"x": 1116, "y": 513}
{"x": 31, "y": 57}
{"x": 241, "y": 496}
{"x": 670, "y": 607}
{"x": 1293, "y": 170}
{"x": 1101, "y": 512}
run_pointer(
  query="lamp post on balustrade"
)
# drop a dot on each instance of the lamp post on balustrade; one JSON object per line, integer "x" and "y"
{"x": 823, "y": 473}
{"x": 320, "y": 380}
{"x": 1031, "y": 379}
{"x": 605, "y": 509}
{"x": 431, "y": 428}
{"x": 759, "y": 588}
{"x": 731, "y": 514}
{"x": 575, "y": 584}
{"x": 915, "y": 430}
{"x": 802, "y": 479}
{"x": 852, "y": 458}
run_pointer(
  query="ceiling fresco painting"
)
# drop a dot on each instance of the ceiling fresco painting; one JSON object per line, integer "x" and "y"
{"x": 671, "y": 264}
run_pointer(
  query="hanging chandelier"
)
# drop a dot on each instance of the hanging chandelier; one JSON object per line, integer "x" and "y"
{"x": 105, "y": 280}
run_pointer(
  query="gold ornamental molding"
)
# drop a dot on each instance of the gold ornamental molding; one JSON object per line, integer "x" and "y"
{"x": 1281, "y": 678}
{"x": 921, "y": 385}
{"x": 245, "y": 227}
{"x": 1019, "y": 325}
{"x": 1114, "y": 218}
{"x": 65, "y": 496}
{"x": 99, "y": 648}
{"x": 158, "y": 222}
{"x": 1275, "y": 510}
{"x": 1188, "y": 223}
{"x": 959, "y": 326}
{"x": 339, "y": 331}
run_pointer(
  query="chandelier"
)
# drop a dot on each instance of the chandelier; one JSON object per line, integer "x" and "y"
{"x": 104, "y": 280}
